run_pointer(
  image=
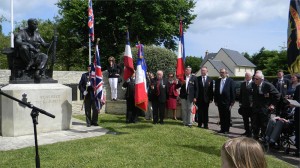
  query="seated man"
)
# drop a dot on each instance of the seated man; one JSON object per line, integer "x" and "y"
{"x": 275, "y": 126}
{"x": 28, "y": 42}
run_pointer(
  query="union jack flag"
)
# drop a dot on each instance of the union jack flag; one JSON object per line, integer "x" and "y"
{"x": 91, "y": 20}
{"x": 97, "y": 80}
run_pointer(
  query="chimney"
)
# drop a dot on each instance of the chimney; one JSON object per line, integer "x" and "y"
{"x": 206, "y": 53}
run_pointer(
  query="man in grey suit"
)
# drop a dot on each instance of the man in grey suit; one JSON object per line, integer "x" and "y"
{"x": 246, "y": 102}
{"x": 265, "y": 98}
{"x": 224, "y": 98}
{"x": 188, "y": 95}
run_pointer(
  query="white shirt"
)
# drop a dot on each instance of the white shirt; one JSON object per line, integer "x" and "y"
{"x": 187, "y": 79}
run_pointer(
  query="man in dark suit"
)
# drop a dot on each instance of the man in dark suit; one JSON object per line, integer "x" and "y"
{"x": 224, "y": 98}
{"x": 205, "y": 97}
{"x": 265, "y": 98}
{"x": 131, "y": 109}
{"x": 246, "y": 102}
{"x": 87, "y": 91}
{"x": 188, "y": 95}
{"x": 159, "y": 93}
{"x": 281, "y": 84}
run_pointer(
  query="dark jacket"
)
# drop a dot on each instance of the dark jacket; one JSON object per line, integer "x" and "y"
{"x": 270, "y": 95}
{"x": 130, "y": 89}
{"x": 282, "y": 88}
{"x": 205, "y": 93}
{"x": 191, "y": 92}
{"x": 227, "y": 97}
{"x": 246, "y": 95}
{"x": 82, "y": 86}
{"x": 163, "y": 90}
{"x": 112, "y": 71}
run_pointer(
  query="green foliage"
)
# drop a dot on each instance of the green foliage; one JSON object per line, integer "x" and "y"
{"x": 193, "y": 62}
{"x": 151, "y": 23}
{"x": 270, "y": 61}
{"x": 4, "y": 43}
{"x": 157, "y": 58}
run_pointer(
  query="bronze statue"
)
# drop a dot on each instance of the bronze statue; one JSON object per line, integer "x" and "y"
{"x": 28, "y": 42}
{"x": 26, "y": 60}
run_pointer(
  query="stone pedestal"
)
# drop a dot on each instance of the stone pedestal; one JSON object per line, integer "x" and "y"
{"x": 15, "y": 119}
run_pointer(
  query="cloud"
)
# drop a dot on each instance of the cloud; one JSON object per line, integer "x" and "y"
{"x": 216, "y": 14}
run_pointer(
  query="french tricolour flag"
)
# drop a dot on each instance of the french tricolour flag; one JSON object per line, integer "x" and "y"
{"x": 128, "y": 62}
{"x": 181, "y": 55}
{"x": 141, "y": 96}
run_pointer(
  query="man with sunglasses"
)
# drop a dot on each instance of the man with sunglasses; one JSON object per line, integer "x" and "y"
{"x": 265, "y": 98}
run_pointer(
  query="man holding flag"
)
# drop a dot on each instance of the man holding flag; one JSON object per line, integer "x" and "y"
{"x": 141, "y": 97}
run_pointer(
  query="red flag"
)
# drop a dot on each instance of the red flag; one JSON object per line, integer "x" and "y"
{"x": 181, "y": 55}
{"x": 141, "y": 96}
{"x": 128, "y": 62}
{"x": 91, "y": 20}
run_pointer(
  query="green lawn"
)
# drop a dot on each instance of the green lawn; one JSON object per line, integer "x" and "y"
{"x": 131, "y": 145}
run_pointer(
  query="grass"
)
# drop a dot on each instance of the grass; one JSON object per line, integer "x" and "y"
{"x": 131, "y": 145}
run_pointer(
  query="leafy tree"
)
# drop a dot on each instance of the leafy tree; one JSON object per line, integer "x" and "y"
{"x": 157, "y": 58}
{"x": 4, "y": 43}
{"x": 151, "y": 22}
{"x": 193, "y": 62}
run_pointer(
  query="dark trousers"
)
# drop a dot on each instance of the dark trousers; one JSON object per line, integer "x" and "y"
{"x": 130, "y": 111}
{"x": 260, "y": 119}
{"x": 247, "y": 118}
{"x": 88, "y": 106}
{"x": 224, "y": 113}
{"x": 202, "y": 114}
{"x": 158, "y": 111}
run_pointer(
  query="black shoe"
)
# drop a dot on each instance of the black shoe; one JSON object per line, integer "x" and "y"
{"x": 88, "y": 125}
{"x": 162, "y": 123}
{"x": 190, "y": 126}
{"x": 95, "y": 124}
{"x": 221, "y": 131}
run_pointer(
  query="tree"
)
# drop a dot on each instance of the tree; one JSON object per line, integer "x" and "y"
{"x": 4, "y": 43}
{"x": 154, "y": 22}
{"x": 157, "y": 58}
{"x": 193, "y": 62}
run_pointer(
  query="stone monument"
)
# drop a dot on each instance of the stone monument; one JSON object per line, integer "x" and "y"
{"x": 31, "y": 81}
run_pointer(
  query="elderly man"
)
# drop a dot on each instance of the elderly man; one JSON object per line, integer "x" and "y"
{"x": 159, "y": 94}
{"x": 246, "y": 102}
{"x": 265, "y": 98}
{"x": 28, "y": 42}
{"x": 205, "y": 97}
{"x": 188, "y": 95}
{"x": 224, "y": 98}
{"x": 281, "y": 84}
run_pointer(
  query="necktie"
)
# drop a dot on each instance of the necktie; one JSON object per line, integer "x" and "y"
{"x": 247, "y": 83}
{"x": 157, "y": 88}
{"x": 203, "y": 81}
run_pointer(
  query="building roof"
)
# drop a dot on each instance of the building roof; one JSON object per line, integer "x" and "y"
{"x": 237, "y": 58}
{"x": 218, "y": 64}
{"x": 209, "y": 56}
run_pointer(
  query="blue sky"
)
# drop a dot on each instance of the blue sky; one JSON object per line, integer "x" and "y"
{"x": 241, "y": 25}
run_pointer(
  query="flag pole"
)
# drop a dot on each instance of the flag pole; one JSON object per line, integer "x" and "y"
{"x": 12, "y": 23}
{"x": 90, "y": 51}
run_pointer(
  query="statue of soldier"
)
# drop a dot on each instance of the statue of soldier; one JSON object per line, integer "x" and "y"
{"x": 27, "y": 43}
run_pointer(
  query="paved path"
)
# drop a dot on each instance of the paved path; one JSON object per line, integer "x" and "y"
{"x": 78, "y": 130}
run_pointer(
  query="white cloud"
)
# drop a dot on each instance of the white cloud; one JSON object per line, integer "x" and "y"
{"x": 215, "y": 14}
